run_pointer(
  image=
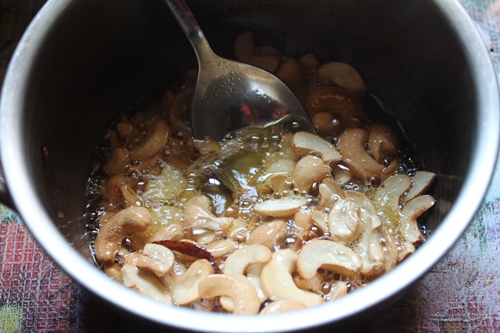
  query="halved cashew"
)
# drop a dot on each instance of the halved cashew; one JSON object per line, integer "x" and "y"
{"x": 199, "y": 218}
{"x": 303, "y": 220}
{"x": 120, "y": 192}
{"x": 369, "y": 246}
{"x": 184, "y": 288}
{"x": 309, "y": 170}
{"x": 344, "y": 222}
{"x": 117, "y": 227}
{"x": 305, "y": 143}
{"x": 240, "y": 261}
{"x": 269, "y": 234}
{"x": 345, "y": 108}
{"x": 244, "y": 52}
{"x": 277, "y": 280}
{"x": 236, "y": 286}
{"x": 220, "y": 248}
{"x": 387, "y": 198}
{"x": 411, "y": 211}
{"x": 284, "y": 305}
{"x": 329, "y": 255}
{"x": 145, "y": 283}
{"x": 420, "y": 183}
{"x": 118, "y": 161}
{"x": 344, "y": 76}
{"x": 352, "y": 148}
{"x": 155, "y": 141}
{"x": 329, "y": 193}
{"x": 155, "y": 258}
{"x": 285, "y": 206}
{"x": 382, "y": 142}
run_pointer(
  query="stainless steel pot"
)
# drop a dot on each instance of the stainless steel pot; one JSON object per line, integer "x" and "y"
{"x": 81, "y": 62}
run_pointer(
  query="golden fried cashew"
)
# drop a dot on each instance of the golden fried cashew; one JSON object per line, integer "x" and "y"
{"x": 304, "y": 143}
{"x": 344, "y": 222}
{"x": 220, "y": 248}
{"x": 411, "y": 211}
{"x": 122, "y": 224}
{"x": 310, "y": 63}
{"x": 278, "y": 175}
{"x": 369, "y": 246}
{"x": 235, "y": 286}
{"x": 329, "y": 255}
{"x": 329, "y": 193}
{"x": 352, "y": 148}
{"x": 145, "y": 283}
{"x": 268, "y": 234}
{"x": 345, "y": 108}
{"x": 309, "y": 170}
{"x": 290, "y": 72}
{"x": 245, "y": 261}
{"x": 277, "y": 280}
{"x": 312, "y": 284}
{"x": 285, "y": 206}
{"x": 421, "y": 181}
{"x": 118, "y": 162}
{"x": 325, "y": 123}
{"x": 155, "y": 141}
{"x": 200, "y": 220}
{"x": 344, "y": 76}
{"x": 387, "y": 198}
{"x": 184, "y": 288}
{"x": 284, "y": 305}
{"x": 244, "y": 52}
{"x": 155, "y": 259}
{"x": 382, "y": 142}
{"x": 303, "y": 220}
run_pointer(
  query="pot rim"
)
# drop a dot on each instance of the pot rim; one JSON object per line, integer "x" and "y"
{"x": 394, "y": 282}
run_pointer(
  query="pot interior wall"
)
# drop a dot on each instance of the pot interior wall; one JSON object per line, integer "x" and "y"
{"x": 102, "y": 55}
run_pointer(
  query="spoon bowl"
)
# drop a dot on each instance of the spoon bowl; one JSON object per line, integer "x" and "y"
{"x": 231, "y": 95}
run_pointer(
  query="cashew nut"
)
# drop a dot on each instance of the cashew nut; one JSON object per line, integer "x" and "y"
{"x": 382, "y": 142}
{"x": 118, "y": 162}
{"x": 345, "y": 108}
{"x": 329, "y": 193}
{"x": 155, "y": 258}
{"x": 220, "y": 248}
{"x": 285, "y": 206}
{"x": 344, "y": 76}
{"x": 244, "y": 52}
{"x": 329, "y": 255}
{"x": 305, "y": 143}
{"x": 337, "y": 290}
{"x": 344, "y": 222}
{"x": 284, "y": 305}
{"x": 236, "y": 286}
{"x": 290, "y": 72}
{"x": 310, "y": 63}
{"x": 421, "y": 181}
{"x": 173, "y": 231}
{"x": 387, "y": 198}
{"x": 117, "y": 227}
{"x": 411, "y": 211}
{"x": 352, "y": 148}
{"x": 198, "y": 217}
{"x": 309, "y": 170}
{"x": 269, "y": 234}
{"x": 184, "y": 288}
{"x": 277, "y": 280}
{"x": 128, "y": 130}
{"x": 145, "y": 283}
{"x": 156, "y": 139}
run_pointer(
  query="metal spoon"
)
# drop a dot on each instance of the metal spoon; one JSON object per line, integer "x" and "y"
{"x": 230, "y": 95}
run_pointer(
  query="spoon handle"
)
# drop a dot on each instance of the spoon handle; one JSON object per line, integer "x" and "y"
{"x": 191, "y": 28}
